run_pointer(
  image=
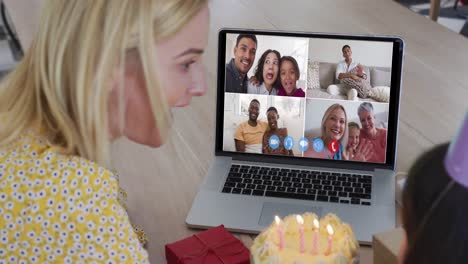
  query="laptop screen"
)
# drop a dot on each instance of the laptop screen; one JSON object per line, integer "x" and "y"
{"x": 315, "y": 98}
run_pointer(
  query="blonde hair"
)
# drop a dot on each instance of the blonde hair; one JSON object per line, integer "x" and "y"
{"x": 344, "y": 138}
{"x": 62, "y": 85}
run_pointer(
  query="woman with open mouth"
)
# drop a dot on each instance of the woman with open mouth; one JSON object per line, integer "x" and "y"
{"x": 266, "y": 74}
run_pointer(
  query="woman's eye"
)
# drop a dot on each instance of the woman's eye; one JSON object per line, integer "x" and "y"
{"x": 275, "y": 62}
{"x": 186, "y": 66}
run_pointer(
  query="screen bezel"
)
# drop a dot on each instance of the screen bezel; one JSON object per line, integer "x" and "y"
{"x": 395, "y": 87}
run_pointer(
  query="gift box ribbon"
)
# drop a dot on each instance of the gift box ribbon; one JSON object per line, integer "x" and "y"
{"x": 212, "y": 249}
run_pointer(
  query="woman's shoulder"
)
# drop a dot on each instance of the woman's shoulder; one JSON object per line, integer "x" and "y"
{"x": 382, "y": 132}
{"x": 34, "y": 155}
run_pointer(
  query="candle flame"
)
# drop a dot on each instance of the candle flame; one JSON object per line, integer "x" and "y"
{"x": 299, "y": 219}
{"x": 330, "y": 230}
{"x": 316, "y": 223}
{"x": 277, "y": 220}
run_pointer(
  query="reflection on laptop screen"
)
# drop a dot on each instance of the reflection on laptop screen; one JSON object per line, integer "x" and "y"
{"x": 313, "y": 98}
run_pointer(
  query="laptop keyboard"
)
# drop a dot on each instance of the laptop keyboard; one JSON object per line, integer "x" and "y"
{"x": 322, "y": 186}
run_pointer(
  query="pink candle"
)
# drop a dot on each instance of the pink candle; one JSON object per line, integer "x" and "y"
{"x": 280, "y": 232}
{"x": 330, "y": 239}
{"x": 300, "y": 221}
{"x": 316, "y": 233}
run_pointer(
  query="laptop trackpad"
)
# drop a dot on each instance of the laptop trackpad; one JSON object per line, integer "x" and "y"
{"x": 270, "y": 209}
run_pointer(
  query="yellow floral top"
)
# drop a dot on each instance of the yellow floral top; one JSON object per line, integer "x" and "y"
{"x": 61, "y": 209}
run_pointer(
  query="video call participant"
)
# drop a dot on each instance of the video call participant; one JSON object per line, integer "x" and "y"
{"x": 376, "y": 136}
{"x": 248, "y": 136}
{"x": 289, "y": 75}
{"x": 348, "y": 69}
{"x": 266, "y": 74}
{"x": 334, "y": 126}
{"x": 434, "y": 205}
{"x": 239, "y": 66}
{"x": 357, "y": 150}
{"x": 281, "y": 133}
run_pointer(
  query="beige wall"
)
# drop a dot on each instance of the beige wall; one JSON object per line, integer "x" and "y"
{"x": 25, "y": 15}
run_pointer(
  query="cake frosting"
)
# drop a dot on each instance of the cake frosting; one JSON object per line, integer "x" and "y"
{"x": 344, "y": 249}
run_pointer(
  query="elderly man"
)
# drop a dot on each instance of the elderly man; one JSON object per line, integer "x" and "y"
{"x": 239, "y": 66}
{"x": 377, "y": 136}
{"x": 249, "y": 135}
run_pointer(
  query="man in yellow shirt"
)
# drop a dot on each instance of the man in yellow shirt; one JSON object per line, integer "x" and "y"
{"x": 249, "y": 135}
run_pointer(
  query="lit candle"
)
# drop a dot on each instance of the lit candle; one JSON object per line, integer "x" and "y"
{"x": 330, "y": 238}
{"x": 280, "y": 232}
{"x": 316, "y": 233}
{"x": 300, "y": 221}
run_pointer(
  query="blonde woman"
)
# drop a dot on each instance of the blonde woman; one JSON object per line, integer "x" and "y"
{"x": 96, "y": 71}
{"x": 333, "y": 127}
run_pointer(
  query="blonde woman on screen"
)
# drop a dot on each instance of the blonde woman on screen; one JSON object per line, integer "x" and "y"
{"x": 96, "y": 71}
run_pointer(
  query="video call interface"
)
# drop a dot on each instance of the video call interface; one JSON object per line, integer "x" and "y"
{"x": 307, "y": 97}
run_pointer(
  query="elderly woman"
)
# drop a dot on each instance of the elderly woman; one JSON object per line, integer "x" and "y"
{"x": 376, "y": 136}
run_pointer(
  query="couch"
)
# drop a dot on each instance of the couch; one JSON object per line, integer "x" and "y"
{"x": 379, "y": 76}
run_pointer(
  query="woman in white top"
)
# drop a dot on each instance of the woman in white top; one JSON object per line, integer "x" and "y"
{"x": 266, "y": 74}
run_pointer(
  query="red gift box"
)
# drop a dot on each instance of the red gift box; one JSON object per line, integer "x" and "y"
{"x": 212, "y": 246}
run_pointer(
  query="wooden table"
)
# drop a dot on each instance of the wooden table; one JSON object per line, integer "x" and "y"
{"x": 161, "y": 183}
{"x": 435, "y": 9}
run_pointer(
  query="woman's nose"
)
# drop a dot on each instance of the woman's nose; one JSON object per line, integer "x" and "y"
{"x": 199, "y": 85}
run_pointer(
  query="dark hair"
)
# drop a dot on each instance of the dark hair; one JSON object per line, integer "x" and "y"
{"x": 250, "y": 36}
{"x": 255, "y": 100}
{"x": 344, "y": 47}
{"x": 294, "y": 63}
{"x": 259, "y": 70}
{"x": 441, "y": 237}
{"x": 272, "y": 108}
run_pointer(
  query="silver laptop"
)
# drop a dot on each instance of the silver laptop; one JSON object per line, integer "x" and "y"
{"x": 305, "y": 122}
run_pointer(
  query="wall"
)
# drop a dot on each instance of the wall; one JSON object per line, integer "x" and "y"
{"x": 369, "y": 53}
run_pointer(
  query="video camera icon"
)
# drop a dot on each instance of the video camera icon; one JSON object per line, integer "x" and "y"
{"x": 274, "y": 142}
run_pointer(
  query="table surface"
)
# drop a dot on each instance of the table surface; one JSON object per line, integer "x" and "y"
{"x": 161, "y": 183}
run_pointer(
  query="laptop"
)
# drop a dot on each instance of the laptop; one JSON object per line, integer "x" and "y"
{"x": 314, "y": 131}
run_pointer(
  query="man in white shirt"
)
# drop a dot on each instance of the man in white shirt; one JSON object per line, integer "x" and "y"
{"x": 343, "y": 71}
{"x": 344, "y": 67}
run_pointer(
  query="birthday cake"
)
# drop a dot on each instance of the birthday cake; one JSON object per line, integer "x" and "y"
{"x": 298, "y": 239}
